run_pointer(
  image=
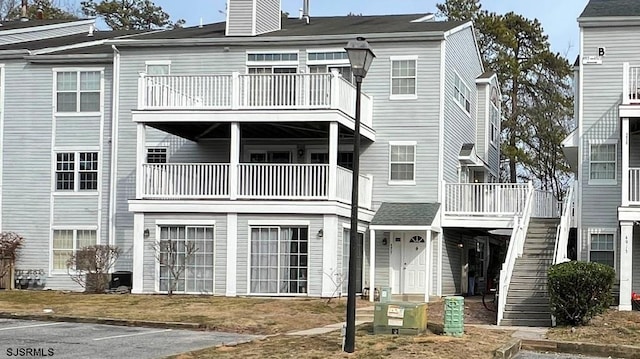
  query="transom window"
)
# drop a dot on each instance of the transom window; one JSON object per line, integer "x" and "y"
{"x": 77, "y": 171}
{"x": 327, "y": 56}
{"x": 602, "y": 163}
{"x": 198, "y": 275}
{"x": 279, "y": 260}
{"x": 602, "y": 248}
{"x": 78, "y": 91}
{"x": 274, "y": 57}
{"x": 416, "y": 239}
{"x": 403, "y": 77}
{"x": 158, "y": 69}
{"x": 461, "y": 93}
{"x": 66, "y": 242}
{"x": 156, "y": 155}
{"x": 402, "y": 161}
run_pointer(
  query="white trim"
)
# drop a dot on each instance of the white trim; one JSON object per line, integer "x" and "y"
{"x": 626, "y": 265}
{"x": 156, "y": 262}
{"x": 232, "y": 255}
{"x": 2, "y": 110}
{"x": 429, "y": 266}
{"x": 411, "y": 182}
{"x": 393, "y": 96}
{"x": 425, "y": 18}
{"x": 78, "y": 114}
{"x": 388, "y": 228}
{"x": 78, "y": 228}
{"x": 580, "y": 120}
{"x": 113, "y": 173}
{"x": 278, "y": 63}
{"x": 78, "y": 92}
{"x": 440, "y": 184}
{"x": 53, "y": 167}
{"x": 372, "y": 263}
{"x": 157, "y": 62}
{"x": 337, "y": 62}
{"x": 278, "y": 222}
{"x": 49, "y": 27}
{"x": 76, "y": 171}
{"x": 67, "y": 47}
{"x": 625, "y": 161}
{"x": 603, "y": 182}
{"x": 603, "y": 230}
{"x": 439, "y": 264}
{"x": 76, "y": 148}
{"x": 101, "y": 165}
{"x": 459, "y": 28}
{"x": 68, "y": 193}
{"x": 185, "y": 222}
{"x": 455, "y": 97}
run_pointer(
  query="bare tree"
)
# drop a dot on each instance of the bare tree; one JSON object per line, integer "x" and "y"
{"x": 46, "y": 9}
{"x": 90, "y": 267}
{"x": 174, "y": 256}
{"x": 10, "y": 244}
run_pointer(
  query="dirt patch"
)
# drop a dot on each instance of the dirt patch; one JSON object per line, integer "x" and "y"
{"x": 474, "y": 312}
{"x": 612, "y": 327}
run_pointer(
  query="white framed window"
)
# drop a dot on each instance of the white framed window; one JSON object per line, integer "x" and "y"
{"x": 174, "y": 240}
{"x": 279, "y": 57}
{"x": 494, "y": 118}
{"x": 603, "y": 162}
{"x": 157, "y": 67}
{"x": 76, "y": 171}
{"x": 461, "y": 93}
{"x": 402, "y": 162}
{"x": 78, "y": 90}
{"x": 278, "y": 259}
{"x": 404, "y": 77}
{"x": 67, "y": 241}
{"x": 602, "y": 246}
{"x": 156, "y": 155}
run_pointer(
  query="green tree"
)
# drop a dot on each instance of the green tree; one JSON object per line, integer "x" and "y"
{"x": 130, "y": 14}
{"x": 535, "y": 87}
{"x": 51, "y": 9}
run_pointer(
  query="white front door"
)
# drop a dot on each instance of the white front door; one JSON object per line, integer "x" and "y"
{"x": 414, "y": 263}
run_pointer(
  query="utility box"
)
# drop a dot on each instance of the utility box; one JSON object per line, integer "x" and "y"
{"x": 400, "y": 318}
{"x": 454, "y": 316}
{"x": 385, "y": 294}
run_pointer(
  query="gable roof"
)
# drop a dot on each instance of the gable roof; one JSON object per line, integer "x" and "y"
{"x": 405, "y": 214}
{"x": 606, "y": 8}
{"x": 320, "y": 26}
{"x": 18, "y": 24}
{"x": 68, "y": 40}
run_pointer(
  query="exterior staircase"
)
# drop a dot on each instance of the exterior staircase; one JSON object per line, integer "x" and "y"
{"x": 528, "y": 299}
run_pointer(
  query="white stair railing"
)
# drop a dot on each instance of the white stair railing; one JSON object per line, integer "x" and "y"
{"x": 562, "y": 234}
{"x": 516, "y": 247}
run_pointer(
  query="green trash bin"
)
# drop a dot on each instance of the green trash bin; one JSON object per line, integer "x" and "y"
{"x": 454, "y": 316}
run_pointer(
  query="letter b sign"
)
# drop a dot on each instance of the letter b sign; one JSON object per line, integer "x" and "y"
{"x": 601, "y": 51}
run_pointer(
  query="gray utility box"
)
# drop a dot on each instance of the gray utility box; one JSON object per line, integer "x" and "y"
{"x": 400, "y": 318}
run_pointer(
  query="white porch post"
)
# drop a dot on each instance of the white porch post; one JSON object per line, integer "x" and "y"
{"x": 372, "y": 264}
{"x": 427, "y": 289}
{"x": 625, "y": 161}
{"x": 330, "y": 268}
{"x": 232, "y": 255}
{"x": 234, "y": 160}
{"x": 626, "y": 269}
{"x": 140, "y": 158}
{"x": 137, "y": 285}
{"x": 333, "y": 159}
{"x": 440, "y": 244}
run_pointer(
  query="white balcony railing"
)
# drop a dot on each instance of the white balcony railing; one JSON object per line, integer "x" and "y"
{"x": 630, "y": 84}
{"x": 255, "y": 181}
{"x": 251, "y": 91}
{"x": 634, "y": 186}
{"x": 497, "y": 199}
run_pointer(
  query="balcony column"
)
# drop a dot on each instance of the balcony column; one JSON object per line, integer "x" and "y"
{"x": 372, "y": 264}
{"x": 140, "y": 158}
{"x": 626, "y": 268}
{"x": 429, "y": 265}
{"x": 333, "y": 159}
{"x": 625, "y": 162}
{"x": 234, "y": 160}
{"x": 137, "y": 281}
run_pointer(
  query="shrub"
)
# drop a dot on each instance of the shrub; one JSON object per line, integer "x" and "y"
{"x": 90, "y": 267}
{"x": 579, "y": 291}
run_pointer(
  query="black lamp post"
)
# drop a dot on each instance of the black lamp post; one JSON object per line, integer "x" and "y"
{"x": 360, "y": 57}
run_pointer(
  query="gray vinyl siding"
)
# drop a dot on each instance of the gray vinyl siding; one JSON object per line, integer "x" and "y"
{"x": 434, "y": 263}
{"x": 38, "y": 34}
{"x": 404, "y": 120}
{"x": 267, "y": 16}
{"x": 78, "y": 131}
{"x": 240, "y": 17}
{"x": 451, "y": 263}
{"x": 220, "y": 247}
{"x": 459, "y": 126}
{"x": 483, "y": 131}
{"x": 493, "y": 151}
{"x": 382, "y": 259}
{"x": 75, "y": 210}
{"x": 602, "y": 89}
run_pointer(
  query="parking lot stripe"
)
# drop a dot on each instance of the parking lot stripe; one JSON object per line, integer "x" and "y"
{"x": 133, "y": 335}
{"x": 31, "y": 326}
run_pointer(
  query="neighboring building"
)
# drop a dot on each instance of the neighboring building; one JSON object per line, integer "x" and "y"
{"x": 602, "y": 148}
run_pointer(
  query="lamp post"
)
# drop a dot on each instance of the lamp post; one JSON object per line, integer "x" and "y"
{"x": 360, "y": 57}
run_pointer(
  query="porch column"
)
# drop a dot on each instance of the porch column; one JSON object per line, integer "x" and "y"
{"x": 137, "y": 282}
{"x": 140, "y": 158}
{"x": 372, "y": 264}
{"x": 333, "y": 159}
{"x": 232, "y": 255}
{"x": 625, "y": 161}
{"x": 626, "y": 269}
{"x": 234, "y": 160}
{"x": 439, "y": 278}
{"x": 429, "y": 267}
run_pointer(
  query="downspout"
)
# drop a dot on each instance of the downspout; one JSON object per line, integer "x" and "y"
{"x": 113, "y": 178}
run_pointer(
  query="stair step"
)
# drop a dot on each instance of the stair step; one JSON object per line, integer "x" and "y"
{"x": 526, "y": 322}
{"x": 527, "y": 292}
{"x": 527, "y": 301}
{"x": 527, "y": 307}
{"x": 527, "y": 315}
{"x": 540, "y": 287}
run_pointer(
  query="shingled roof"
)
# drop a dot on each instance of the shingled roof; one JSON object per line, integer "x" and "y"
{"x": 68, "y": 40}
{"x": 406, "y": 214}
{"x": 602, "y": 8}
{"x": 18, "y": 24}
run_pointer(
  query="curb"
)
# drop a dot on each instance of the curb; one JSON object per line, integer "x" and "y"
{"x": 509, "y": 350}
{"x": 601, "y": 350}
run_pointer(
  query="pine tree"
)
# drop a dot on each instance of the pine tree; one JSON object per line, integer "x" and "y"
{"x": 130, "y": 14}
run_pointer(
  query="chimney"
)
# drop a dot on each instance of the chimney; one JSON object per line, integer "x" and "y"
{"x": 24, "y": 11}
{"x": 305, "y": 10}
{"x": 253, "y": 17}
{"x": 40, "y": 14}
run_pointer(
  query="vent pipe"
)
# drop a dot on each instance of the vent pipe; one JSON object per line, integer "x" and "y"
{"x": 24, "y": 11}
{"x": 305, "y": 10}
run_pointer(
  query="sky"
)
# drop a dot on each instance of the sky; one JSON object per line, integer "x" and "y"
{"x": 558, "y": 17}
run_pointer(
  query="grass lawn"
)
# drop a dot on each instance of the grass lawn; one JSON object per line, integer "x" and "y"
{"x": 476, "y": 343}
{"x": 241, "y": 315}
{"x": 613, "y": 327}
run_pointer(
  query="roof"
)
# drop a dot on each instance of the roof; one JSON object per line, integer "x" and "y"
{"x": 466, "y": 149}
{"x": 577, "y": 62}
{"x": 406, "y": 214}
{"x": 486, "y": 75}
{"x": 18, "y": 24}
{"x": 602, "y": 8}
{"x": 67, "y": 40}
{"x": 332, "y": 25}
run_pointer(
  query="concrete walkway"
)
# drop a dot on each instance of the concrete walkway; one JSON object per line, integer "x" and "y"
{"x": 531, "y": 333}
{"x": 363, "y": 315}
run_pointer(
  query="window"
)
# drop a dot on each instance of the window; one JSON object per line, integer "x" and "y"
{"x": 156, "y": 155}
{"x": 403, "y": 78}
{"x": 175, "y": 242}
{"x": 344, "y": 71}
{"x": 77, "y": 171}
{"x": 461, "y": 93}
{"x": 272, "y": 57}
{"x": 402, "y": 158}
{"x": 270, "y": 157}
{"x": 279, "y": 257}
{"x": 328, "y": 56}
{"x": 602, "y": 247}
{"x": 78, "y": 91}
{"x": 345, "y": 159}
{"x": 346, "y": 240}
{"x": 158, "y": 67}
{"x": 602, "y": 163}
{"x": 67, "y": 242}
{"x": 494, "y": 118}
{"x": 318, "y": 157}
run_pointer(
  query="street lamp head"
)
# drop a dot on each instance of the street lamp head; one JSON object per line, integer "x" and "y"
{"x": 360, "y": 56}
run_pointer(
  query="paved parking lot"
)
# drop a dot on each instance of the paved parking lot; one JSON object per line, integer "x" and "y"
{"x": 33, "y": 339}
{"x": 533, "y": 355}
